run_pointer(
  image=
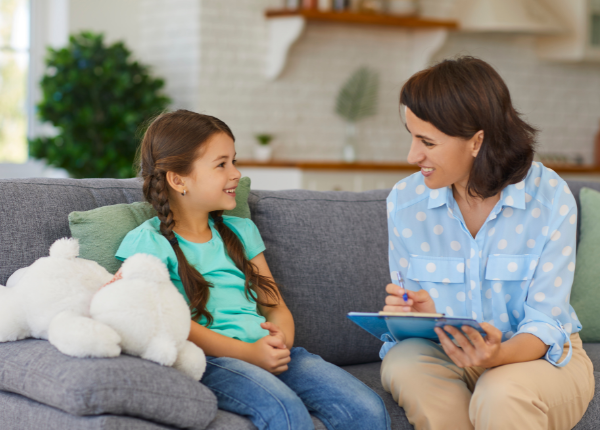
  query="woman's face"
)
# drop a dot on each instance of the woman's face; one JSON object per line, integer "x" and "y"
{"x": 444, "y": 160}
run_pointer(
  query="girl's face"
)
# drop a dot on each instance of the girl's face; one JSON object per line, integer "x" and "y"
{"x": 444, "y": 160}
{"x": 212, "y": 182}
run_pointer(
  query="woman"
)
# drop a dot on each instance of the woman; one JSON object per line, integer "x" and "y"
{"x": 484, "y": 232}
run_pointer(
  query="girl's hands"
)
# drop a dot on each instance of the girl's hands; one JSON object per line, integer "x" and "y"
{"x": 274, "y": 330}
{"x": 270, "y": 352}
{"x": 475, "y": 350}
{"x": 418, "y": 301}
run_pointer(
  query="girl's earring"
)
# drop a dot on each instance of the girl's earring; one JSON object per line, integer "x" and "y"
{"x": 184, "y": 191}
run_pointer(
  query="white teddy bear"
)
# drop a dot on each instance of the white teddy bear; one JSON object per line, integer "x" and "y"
{"x": 84, "y": 312}
{"x": 143, "y": 306}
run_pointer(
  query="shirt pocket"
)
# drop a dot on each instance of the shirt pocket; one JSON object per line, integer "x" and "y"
{"x": 436, "y": 269}
{"x": 506, "y": 267}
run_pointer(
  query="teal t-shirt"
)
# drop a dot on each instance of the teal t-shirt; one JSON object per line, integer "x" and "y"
{"x": 234, "y": 315}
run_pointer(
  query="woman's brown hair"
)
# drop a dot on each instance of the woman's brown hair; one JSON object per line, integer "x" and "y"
{"x": 172, "y": 143}
{"x": 463, "y": 96}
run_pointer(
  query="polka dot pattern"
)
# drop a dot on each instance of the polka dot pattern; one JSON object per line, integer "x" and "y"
{"x": 516, "y": 244}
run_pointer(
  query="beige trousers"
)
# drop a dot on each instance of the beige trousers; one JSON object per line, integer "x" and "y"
{"x": 436, "y": 394}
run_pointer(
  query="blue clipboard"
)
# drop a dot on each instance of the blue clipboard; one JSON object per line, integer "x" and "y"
{"x": 406, "y": 325}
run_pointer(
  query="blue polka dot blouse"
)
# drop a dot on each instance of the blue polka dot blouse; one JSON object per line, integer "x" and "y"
{"x": 516, "y": 274}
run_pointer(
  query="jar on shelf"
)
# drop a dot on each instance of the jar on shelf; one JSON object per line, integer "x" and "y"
{"x": 401, "y": 7}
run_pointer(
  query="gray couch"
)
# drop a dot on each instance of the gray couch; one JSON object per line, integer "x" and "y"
{"x": 328, "y": 250}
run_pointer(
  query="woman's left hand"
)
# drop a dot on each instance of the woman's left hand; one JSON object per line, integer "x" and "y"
{"x": 475, "y": 350}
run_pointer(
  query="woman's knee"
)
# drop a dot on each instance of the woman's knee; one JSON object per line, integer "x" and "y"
{"x": 499, "y": 393}
{"x": 406, "y": 362}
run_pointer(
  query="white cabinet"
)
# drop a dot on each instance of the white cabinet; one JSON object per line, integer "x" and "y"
{"x": 581, "y": 41}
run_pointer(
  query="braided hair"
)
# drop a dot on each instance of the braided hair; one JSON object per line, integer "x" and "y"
{"x": 172, "y": 143}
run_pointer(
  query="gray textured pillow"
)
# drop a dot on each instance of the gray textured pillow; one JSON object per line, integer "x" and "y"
{"x": 123, "y": 385}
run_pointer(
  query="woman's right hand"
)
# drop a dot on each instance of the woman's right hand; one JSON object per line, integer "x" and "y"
{"x": 418, "y": 301}
{"x": 269, "y": 353}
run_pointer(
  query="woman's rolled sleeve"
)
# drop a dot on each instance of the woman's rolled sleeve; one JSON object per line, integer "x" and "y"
{"x": 546, "y": 310}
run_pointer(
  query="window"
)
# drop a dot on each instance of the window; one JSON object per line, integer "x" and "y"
{"x": 14, "y": 62}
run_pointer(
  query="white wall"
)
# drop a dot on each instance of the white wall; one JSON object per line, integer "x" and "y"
{"x": 212, "y": 55}
{"x": 117, "y": 19}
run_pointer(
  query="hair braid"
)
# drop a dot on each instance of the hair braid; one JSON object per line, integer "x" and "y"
{"x": 236, "y": 251}
{"x": 196, "y": 287}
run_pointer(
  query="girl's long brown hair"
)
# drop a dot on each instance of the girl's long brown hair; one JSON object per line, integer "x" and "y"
{"x": 172, "y": 143}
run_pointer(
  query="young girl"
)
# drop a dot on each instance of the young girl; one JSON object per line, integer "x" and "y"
{"x": 239, "y": 318}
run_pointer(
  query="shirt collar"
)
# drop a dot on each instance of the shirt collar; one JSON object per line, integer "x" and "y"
{"x": 439, "y": 197}
{"x": 513, "y": 195}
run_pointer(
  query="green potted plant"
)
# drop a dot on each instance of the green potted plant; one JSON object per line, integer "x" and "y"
{"x": 356, "y": 100}
{"x": 263, "y": 151}
{"x": 97, "y": 98}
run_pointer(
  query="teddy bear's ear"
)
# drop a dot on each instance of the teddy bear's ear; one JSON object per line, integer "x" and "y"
{"x": 65, "y": 248}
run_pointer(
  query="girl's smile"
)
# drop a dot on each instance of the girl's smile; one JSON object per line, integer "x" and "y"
{"x": 230, "y": 191}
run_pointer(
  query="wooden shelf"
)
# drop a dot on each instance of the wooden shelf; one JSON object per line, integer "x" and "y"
{"x": 372, "y": 165}
{"x": 363, "y": 18}
{"x": 285, "y": 26}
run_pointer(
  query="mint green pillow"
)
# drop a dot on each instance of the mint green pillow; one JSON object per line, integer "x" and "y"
{"x": 100, "y": 231}
{"x": 585, "y": 294}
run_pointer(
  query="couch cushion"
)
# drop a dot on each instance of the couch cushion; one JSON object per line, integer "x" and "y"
{"x": 591, "y": 418}
{"x": 369, "y": 374}
{"x": 328, "y": 250}
{"x": 575, "y": 187}
{"x": 100, "y": 231}
{"x": 34, "y": 213}
{"x": 20, "y": 413}
{"x": 585, "y": 294}
{"x": 95, "y": 386}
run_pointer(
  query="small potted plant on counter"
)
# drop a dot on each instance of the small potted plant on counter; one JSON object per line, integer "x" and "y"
{"x": 263, "y": 151}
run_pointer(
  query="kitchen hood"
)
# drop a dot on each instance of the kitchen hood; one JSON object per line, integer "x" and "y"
{"x": 507, "y": 16}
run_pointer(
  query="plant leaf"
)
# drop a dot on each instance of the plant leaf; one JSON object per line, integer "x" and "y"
{"x": 357, "y": 98}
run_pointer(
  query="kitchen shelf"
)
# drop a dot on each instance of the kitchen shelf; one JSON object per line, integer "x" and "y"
{"x": 285, "y": 26}
{"x": 373, "y": 165}
{"x": 363, "y": 18}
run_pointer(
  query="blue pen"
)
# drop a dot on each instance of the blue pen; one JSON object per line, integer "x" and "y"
{"x": 401, "y": 282}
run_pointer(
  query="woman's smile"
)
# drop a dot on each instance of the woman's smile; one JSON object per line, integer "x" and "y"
{"x": 427, "y": 171}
